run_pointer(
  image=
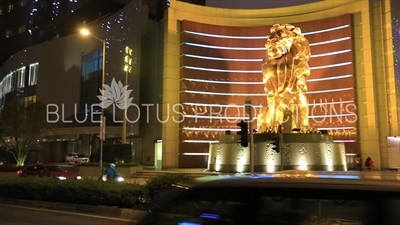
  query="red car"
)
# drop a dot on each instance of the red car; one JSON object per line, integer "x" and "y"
{"x": 48, "y": 170}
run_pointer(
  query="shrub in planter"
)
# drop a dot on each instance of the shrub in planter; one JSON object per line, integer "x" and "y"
{"x": 87, "y": 191}
{"x": 162, "y": 182}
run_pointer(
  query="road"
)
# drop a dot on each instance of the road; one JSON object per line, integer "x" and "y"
{"x": 29, "y": 216}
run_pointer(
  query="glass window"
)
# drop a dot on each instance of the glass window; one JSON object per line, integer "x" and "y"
{"x": 20, "y": 77}
{"x": 10, "y": 7}
{"x": 39, "y": 168}
{"x": 7, "y": 84}
{"x": 4, "y": 87}
{"x": 55, "y": 169}
{"x": 22, "y": 3}
{"x": 33, "y": 73}
{"x": 21, "y": 29}
{"x": 8, "y": 33}
{"x": 1, "y": 89}
{"x": 31, "y": 168}
{"x": 91, "y": 62}
{"x": 10, "y": 83}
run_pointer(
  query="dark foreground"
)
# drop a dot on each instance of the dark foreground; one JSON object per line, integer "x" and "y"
{"x": 28, "y": 216}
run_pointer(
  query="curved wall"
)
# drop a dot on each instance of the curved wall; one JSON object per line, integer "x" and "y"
{"x": 221, "y": 66}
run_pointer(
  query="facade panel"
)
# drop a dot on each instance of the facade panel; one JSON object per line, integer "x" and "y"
{"x": 221, "y": 66}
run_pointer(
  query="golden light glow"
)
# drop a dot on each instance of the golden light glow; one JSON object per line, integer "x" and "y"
{"x": 84, "y": 32}
{"x": 128, "y": 59}
{"x": 295, "y": 174}
{"x": 285, "y": 71}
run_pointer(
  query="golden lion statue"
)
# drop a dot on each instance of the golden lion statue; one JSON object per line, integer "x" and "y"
{"x": 285, "y": 71}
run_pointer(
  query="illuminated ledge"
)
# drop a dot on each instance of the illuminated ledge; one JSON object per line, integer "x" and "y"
{"x": 199, "y": 141}
{"x": 263, "y": 37}
{"x": 259, "y": 48}
{"x": 260, "y": 94}
{"x": 195, "y": 153}
{"x": 260, "y": 82}
{"x": 258, "y": 106}
{"x": 260, "y": 60}
{"x": 231, "y": 118}
{"x": 259, "y": 71}
{"x": 344, "y": 140}
{"x": 208, "y": 141}
{"x": 236, "y": 129}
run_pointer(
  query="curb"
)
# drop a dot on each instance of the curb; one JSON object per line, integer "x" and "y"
{"x": 107, "y": 211}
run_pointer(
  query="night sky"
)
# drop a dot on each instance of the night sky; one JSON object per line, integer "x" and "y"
{"x": 255, "y": 4}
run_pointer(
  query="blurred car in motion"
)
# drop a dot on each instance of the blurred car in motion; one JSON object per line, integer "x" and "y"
{"x": 281, "y": 198}
{"x": 76, "y": 159}
{"x": 48, "y": 170}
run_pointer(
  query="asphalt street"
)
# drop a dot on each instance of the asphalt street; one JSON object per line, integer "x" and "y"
{"x": 28, "y": 216}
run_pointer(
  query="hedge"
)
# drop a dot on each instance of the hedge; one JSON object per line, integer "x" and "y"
{"x": 87, "y": 191}
{"x": 161, "y": 182}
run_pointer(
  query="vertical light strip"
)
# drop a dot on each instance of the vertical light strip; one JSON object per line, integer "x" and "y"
{"x": 396, "y": 54}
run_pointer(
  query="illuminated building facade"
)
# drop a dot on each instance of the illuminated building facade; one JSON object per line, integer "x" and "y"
{"x": 215, "y": 57}
{"x": 65, "y": 73}
{"x": 196, "y": 62}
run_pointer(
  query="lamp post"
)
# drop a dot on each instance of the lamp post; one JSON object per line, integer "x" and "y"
{"x": 86, "y": 32}
{"x": 127, "y": 69}
{"x": 249, "y": 110}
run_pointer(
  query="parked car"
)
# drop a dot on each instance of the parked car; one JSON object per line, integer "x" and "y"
{"x": 48, "y": 170}
{"x": 76, "y": 158}
{"x": 284, "y": 198}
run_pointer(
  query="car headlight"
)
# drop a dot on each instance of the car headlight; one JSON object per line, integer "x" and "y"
{"x": 62, "y": 178}
{"x": 120, "y": 179}
{"x": 79, "y": 177}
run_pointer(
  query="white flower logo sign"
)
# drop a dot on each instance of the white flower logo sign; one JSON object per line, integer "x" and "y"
{"x": 116, "y": 94}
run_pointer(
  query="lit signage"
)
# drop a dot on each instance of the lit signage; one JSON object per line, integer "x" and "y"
{"x": 128, "y": 60}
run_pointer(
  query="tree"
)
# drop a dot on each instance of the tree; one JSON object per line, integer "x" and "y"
{"x": 22, "y": 125}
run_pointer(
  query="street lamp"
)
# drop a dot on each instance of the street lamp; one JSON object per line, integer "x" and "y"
{"x": 86, "y": 32}
{"x": 127, "y": 69}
